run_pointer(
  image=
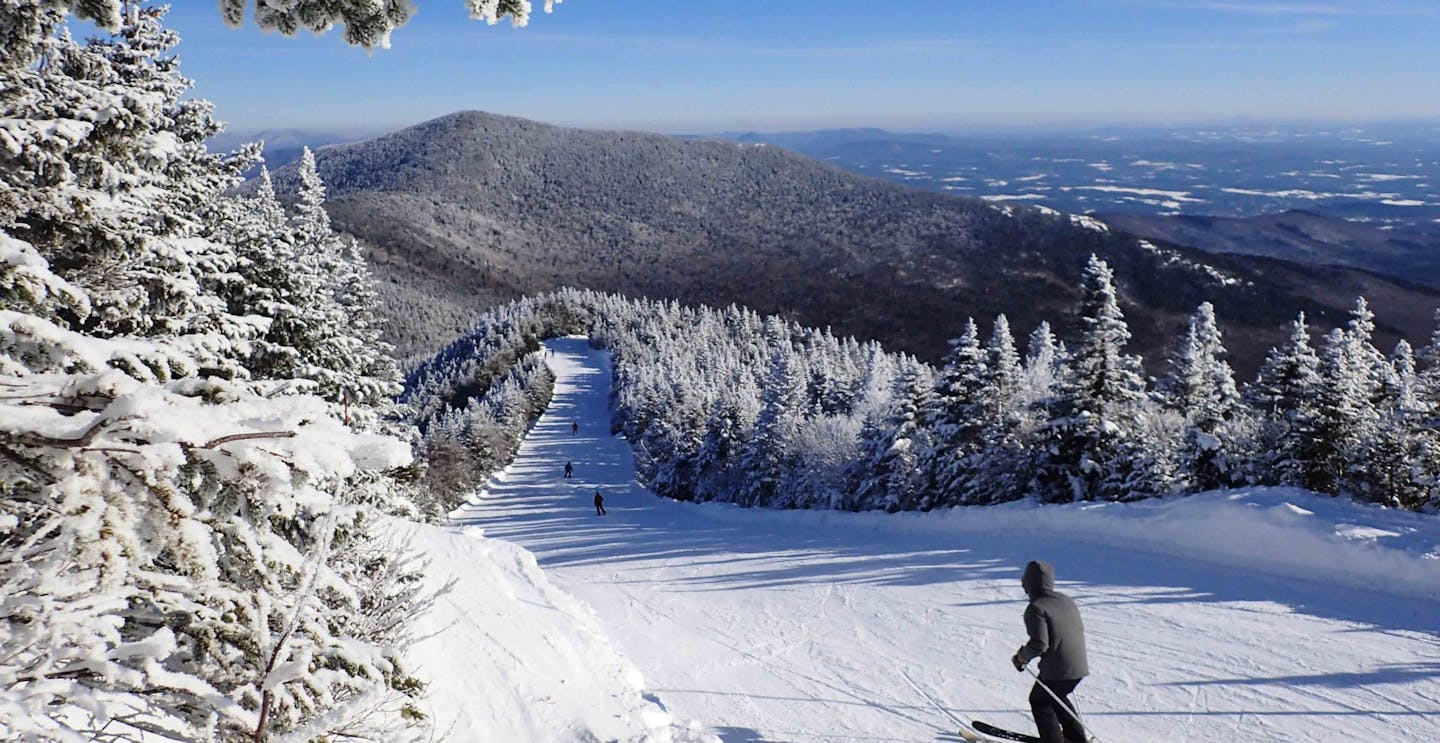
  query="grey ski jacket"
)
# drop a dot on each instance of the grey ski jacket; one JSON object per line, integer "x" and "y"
{"x": 1057, "y": 637}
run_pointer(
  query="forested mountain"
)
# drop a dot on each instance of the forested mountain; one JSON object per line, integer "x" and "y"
{"x": 469, "y": 210}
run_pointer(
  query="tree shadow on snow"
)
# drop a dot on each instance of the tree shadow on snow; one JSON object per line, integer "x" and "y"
{"x": 555, "y": 518}
{"x": 731, "y": 734}
{"x": 1402, "y": 673}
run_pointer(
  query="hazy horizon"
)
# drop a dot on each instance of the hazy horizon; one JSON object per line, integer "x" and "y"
{"x": 955, "y": 129}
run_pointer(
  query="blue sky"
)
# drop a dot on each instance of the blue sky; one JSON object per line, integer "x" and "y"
{"x": 706, "y": 65}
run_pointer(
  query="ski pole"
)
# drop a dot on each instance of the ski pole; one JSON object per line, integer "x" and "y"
{"x": 1083, "y": 727}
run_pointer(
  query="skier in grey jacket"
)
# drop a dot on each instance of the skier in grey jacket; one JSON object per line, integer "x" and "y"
{"x": 1057, "y": 638}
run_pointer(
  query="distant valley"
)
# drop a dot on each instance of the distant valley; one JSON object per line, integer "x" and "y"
{"x": 1384, "y": 175}
{"x": 1361, "y": 197}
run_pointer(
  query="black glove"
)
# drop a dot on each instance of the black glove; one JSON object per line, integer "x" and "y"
{"x": 1019, "y": 662}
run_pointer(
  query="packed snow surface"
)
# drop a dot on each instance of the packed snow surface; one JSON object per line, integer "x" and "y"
{"x": 1258, "y": 615}
{"x": 506, "y": 656}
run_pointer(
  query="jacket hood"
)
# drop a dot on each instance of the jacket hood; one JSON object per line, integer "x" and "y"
{"x": 1039, "y": 578}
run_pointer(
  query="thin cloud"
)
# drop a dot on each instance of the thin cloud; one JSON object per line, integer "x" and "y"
{"x": 893, "y": 47}
{"x": 1358, "y": 8}
{"x": 1300, "y": 27}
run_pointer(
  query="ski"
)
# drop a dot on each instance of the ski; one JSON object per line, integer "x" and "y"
{"x": 986, "y": 728}
{"x": 974, "y": 737}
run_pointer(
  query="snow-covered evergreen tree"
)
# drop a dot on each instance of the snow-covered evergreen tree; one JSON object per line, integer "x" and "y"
{"x": 178, "y": 548}
{"x": 888, "y": 472}
{"x": 771, "y": 450}
{"x": 318, "y": 291}
{"x": 1000, "y": 468}
{"x": 1401, "y": 467}
{"x": 1286, "y": 393}
{"x": 1004, "y": 374}
{"x": 105, "y": 172}
{"x": 957, "y": 418}
{"x": 1201, "y": 387}
{"x": 366, "y": 24}
{"x": 1042, "y": 362}
{"x": 1089, "y": 445}
{"x": 1368, "y": 375}
{"x": 727, "y": 436}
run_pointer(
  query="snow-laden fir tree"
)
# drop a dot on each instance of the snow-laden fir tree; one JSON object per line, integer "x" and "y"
{"x": 178, "y": 554}
{"x": 340, "y": 327}
{"x": 104, "y": 171}
{"x": 1341, "y": 415}
{"x": 887, "y": 473}
{"x": 771, "y": 450}
{"x": 1004, "y": 375}
{"x": 1358, "y": 393}
{"x": 1201, "y": 387}
{"x": 310, "y": 222}
{"x": 957, "y": 418}
{"x": 366, "y": 24}
{"x": 317, "y": 289}
{"x": 1088, "y": 446}
{"x": 728, "y": 432}
{"x": 1286, "y": 393}
{"x": 1043, "y": 356}
{"x": 1401, "y": 467}
{"x": 1000, "y": 471}
{"x": 1428, "y": 376}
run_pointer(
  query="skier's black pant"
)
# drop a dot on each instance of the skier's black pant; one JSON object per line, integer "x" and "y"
{"x": 599, "y": 510}
{"x": 1056, "y": 724}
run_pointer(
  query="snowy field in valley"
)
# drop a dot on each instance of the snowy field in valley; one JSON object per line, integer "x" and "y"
{"x": 1266, "y": 615}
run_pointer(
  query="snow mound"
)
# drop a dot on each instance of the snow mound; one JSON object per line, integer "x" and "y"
{"x": 507, "y": 656}
{"x": 1284, "y": 532}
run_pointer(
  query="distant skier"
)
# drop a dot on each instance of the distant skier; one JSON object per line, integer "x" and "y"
{"x": 574, "y": 427}
{"x": 569, "y": 470}
{"x": 599, "y": 504}
{"x": 1057, "y": 638}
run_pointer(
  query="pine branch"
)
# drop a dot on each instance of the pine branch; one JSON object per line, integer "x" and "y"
{"x": 11, "y": 455}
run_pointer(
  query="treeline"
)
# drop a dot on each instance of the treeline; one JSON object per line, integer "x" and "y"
{"x": 474, "y": 401}
{"x": 728, "y": 405}
{"x": 196, "y": 422}
{"x": 779, "y": 416}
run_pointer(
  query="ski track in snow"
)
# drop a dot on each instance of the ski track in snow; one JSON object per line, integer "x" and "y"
{"x": 824, "y": 626}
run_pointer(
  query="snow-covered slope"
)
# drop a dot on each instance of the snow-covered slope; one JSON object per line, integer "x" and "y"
{"x": 509, "y": 657}
{"x": 1254, "y": 616}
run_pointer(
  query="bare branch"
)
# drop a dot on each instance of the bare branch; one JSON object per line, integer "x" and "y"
{"x": 212, "y": 443}
{"x": 35, "y": 439}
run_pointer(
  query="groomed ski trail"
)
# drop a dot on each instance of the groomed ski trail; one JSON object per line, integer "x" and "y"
{"x": 826, "y": 626}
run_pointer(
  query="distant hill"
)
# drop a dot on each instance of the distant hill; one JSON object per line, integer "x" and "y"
{"x": 473, "y": 209}
{"x": 282, "y": 146}
{"x": 1298, "y": 236}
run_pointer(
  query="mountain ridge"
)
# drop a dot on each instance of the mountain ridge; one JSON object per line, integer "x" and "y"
{"x": 1297, "y": 235}
{"x": 471, "y": 209}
